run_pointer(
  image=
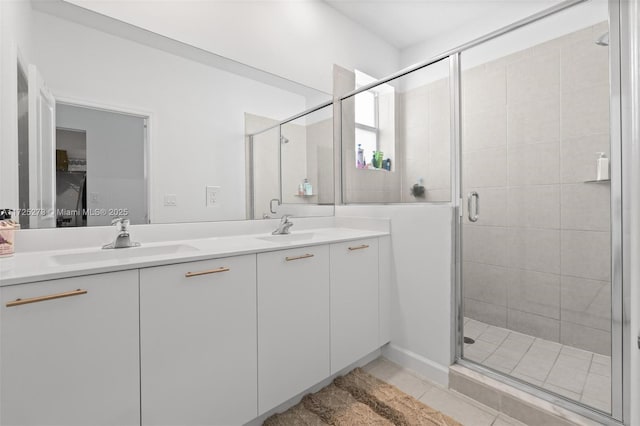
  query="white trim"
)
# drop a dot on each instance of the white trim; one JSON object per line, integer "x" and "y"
{"x": 428, "y": 369}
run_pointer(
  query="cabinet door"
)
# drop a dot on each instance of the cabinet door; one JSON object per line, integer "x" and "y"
{"x": 198, "y": 342}
{"x": 293, "y": 323}
{"x": 71, "y": 360}
{"x": 354, "y": 301}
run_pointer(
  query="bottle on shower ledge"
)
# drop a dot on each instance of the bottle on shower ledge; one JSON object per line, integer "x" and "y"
{"x": 360, "y": 163}
{"x": 308, "y": 189}
{"x": 602, "y": 169}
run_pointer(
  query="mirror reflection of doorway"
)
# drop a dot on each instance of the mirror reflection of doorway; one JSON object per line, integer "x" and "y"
{"x": 100, "y": 166}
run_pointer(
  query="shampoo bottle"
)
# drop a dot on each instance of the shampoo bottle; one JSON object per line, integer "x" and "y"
{"x": 602, "y": 169}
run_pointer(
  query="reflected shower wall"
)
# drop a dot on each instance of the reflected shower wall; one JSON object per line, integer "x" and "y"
{"x": 290, "y": 165}
{"x": 409, "y": 126}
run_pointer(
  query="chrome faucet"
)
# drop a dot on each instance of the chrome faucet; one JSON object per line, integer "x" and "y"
{"x": 122, "y": 239}
{"x": 284, "y": 226}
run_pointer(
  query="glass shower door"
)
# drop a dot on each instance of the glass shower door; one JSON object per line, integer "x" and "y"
{"x": 536, "y": 199}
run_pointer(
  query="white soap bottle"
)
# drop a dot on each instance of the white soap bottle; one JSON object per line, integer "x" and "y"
{"x": 602, "y": 168}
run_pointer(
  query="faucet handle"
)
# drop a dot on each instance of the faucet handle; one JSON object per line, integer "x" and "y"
{"x": 285, "y": 218}
{"x": 116, "y": 220}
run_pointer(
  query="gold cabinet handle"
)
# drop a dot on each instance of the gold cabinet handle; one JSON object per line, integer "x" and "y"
{"x": 363, "y": 246}
{"x": 304, "y": 256}
{"x": 19, "y": 302}
{"x": 210, "y": 271}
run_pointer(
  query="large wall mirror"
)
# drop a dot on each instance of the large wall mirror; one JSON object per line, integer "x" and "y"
{"x": 120, "y": 122}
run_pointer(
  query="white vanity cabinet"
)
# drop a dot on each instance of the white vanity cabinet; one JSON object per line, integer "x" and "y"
{"x": 354, "y": 301}
{"x": 293, "y": 323}
{"x": 69, "y": 353}
{"x": 198, "y": 337}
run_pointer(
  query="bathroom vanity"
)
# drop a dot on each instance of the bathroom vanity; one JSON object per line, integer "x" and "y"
{"x": 205, "y": 331}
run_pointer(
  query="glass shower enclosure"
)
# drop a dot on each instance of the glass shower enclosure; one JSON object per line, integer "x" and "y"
{"x": 519, "y": 130}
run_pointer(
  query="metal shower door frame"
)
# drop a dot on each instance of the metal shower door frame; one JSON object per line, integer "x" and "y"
{"x": 620, "y": 326}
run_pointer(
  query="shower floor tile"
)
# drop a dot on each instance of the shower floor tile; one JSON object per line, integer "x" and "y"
{"x": 573, "y": 373}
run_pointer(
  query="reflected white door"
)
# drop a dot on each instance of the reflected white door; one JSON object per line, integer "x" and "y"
{"x": 42, "y": 152}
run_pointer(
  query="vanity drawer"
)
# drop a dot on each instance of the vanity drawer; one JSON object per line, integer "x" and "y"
{"x": 198, "y": 334}
{"x": 354, "y": 301}
{"x": 70, "y": 353}
{"x": 293, "y": 322}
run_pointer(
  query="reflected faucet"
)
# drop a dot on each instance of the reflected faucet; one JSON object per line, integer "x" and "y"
{"x": 284, "y": 226}
{"x": 122, "y": 239}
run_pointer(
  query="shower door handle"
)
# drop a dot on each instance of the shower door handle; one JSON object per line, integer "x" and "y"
{"x": 473, "y": 208}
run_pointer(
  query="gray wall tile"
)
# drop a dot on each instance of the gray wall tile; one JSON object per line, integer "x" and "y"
{"x": 586, "y": 338}
{"x": 534, "y": 325}
{"x": 586, "y": 254}
{"x": 534, "y": 292}
{"x": 485, "y": 283}
{"x": 586, "y": 302}
{"x": 488, "y": 313}
{"x": 485, "y": 244}
{"x": 586, "y": 206}
{"x": 534, "y": 121}
{"x": 534, "y": 249}
{"x": 485, "y": 129}
{"x": 536, "y": 164}
{"x": 586, "y": 112}
{"x": 485, "y": 168}
{"x": 535, "y": 206}
{"x": 534, "y": 77}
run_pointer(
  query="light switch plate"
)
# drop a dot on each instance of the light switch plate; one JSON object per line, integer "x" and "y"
{"x": 212, "y": 193}
{"x": 170, "y": 200}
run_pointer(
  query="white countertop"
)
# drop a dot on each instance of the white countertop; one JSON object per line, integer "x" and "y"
{"x": 52, "y": 264}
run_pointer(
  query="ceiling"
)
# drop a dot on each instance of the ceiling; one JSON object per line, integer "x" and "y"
{"x": 404, "y": 23}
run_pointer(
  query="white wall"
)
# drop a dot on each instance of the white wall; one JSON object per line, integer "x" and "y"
{"x": 115, "y": 162}
{"x": 197, "y": 111}
{"x": 422, "y": 314}
{"x": 573, "y": 19}
{"x": 15, "y": 40}
{"x": 298, "y": 40}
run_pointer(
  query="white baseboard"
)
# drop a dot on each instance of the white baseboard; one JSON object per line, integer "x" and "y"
{"x": 425, "y": 367}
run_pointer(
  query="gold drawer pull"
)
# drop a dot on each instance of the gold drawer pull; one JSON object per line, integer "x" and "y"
{"x": 19, "y": 302}
{"x": 210, "y": 271}
{"x": 364, "y": 246}
{"x": 304, "y": 256}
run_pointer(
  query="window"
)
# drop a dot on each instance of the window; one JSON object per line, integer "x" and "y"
{"x": 366, "y": 122}
{"x": 374, "y": 124}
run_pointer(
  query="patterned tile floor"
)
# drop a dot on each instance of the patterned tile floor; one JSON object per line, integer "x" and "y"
{"x": 574, "y": 373}
{"x": 458, "y": 406}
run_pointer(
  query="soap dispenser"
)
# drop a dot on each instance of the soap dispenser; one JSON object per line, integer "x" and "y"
{"x": 602, "y": 168}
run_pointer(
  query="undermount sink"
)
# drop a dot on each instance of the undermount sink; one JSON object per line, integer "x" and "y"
{"x": 121, "y": 254}
{"x": 288, "y": 238}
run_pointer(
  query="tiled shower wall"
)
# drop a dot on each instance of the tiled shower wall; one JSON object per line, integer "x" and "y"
{"x": 425, "y": 151}
{"x": 538, "y": 260}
